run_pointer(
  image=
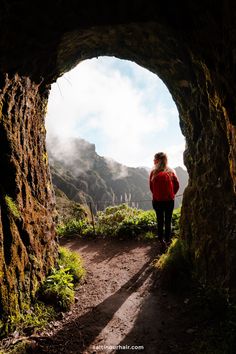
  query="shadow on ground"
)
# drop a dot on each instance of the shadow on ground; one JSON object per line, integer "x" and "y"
{"x": 160, "y": 323}
{"x": 82, "y": 331}
{"x": 105, "y": 249}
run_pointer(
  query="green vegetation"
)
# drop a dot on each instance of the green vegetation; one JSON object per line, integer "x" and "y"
{"x": 73, "y": 263}
{"x": 75, "y": 226}
{"x": 211, "y": 308}
{"x": 58, "y": 288}
{"x": 175, "y": 266}
{"x": 123, "y": 221}
{"x": 12, "y": 207}
{"x": 175, "y": 221}
{"x": 56, "y": 293}
{"x": 22, "y": 347}
{"x": 68, "y": 209}
{"x": 119, "y": 222}
{"x": 30, "y": 320}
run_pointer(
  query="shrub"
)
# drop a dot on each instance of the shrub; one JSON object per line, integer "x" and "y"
{"x": 175, "y": 221}
{"x": 73, "y": 262}
{"x": 76, "y": 227}
{"x": 58, "y": 288}
{"x": 119, "y": 221}
{"x": 175, "y": 266}
{"x": 71, "y": 227}
{"x": 123, "y": 221}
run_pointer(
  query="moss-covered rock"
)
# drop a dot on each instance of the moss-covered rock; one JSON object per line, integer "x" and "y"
{"x": 27, "y": 236}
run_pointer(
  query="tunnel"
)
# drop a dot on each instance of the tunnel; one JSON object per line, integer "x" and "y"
{"x": 190, "y": 46}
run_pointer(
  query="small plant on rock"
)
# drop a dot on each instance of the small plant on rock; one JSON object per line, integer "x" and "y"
{"x": 73, "y": 262}
{"x": 175, "y": 266}
{"x": 12, "y": 207}
{"x": 58, "y": 288}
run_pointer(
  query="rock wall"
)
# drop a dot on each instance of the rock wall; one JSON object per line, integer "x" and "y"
{"x": 27, "y": 246}
{"x": 209, "y": 205}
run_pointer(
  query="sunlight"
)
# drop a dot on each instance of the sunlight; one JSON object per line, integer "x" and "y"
{"x": 122, "y": 108}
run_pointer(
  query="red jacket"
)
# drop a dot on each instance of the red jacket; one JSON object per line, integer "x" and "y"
{"x": 164, "y": 185}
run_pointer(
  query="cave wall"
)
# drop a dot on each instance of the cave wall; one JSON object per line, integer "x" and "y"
{"x": 27, "y": 246}
{"x": 189, "y": 45}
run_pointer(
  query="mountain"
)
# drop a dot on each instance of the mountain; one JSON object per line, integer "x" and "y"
{"x": 89, "y": 179}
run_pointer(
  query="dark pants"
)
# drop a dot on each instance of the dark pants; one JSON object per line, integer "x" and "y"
{"x": 164, "y": 210}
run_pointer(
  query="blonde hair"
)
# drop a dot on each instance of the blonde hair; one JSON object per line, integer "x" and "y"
{"x": 161, "y": 165}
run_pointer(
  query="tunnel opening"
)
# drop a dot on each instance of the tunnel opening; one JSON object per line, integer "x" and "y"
{"x": 125, "y": 113}
{"x": 193, "y": 86}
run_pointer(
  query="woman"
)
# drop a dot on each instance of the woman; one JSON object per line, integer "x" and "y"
{"x": 164, "y": 185}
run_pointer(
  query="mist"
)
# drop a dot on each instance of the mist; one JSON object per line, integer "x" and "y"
{"x": 125, "y": 110}
{"x": 79, "y": 156}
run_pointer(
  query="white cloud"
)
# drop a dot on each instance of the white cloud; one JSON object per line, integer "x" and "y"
{"x": 121, "y": 113}
{"x": 175, "y": 155}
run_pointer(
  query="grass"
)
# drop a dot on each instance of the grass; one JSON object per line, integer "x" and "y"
{"x": 73, "y": 262}
{"x": 175, "y": 267}
{"x": 12, "y": 207}
{"x": 56, "y": 294}
{"x": 22, "y": 347}
{"x": 30, "y": 320}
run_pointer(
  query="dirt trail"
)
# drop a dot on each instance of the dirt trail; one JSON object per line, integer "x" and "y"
{"x": 118, "y": 305}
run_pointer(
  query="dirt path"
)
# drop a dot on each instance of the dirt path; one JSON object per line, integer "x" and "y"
{"x": 118, "y": 306}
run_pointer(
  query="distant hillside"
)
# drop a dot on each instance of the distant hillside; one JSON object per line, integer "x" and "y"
{"x": 85, "y": 177}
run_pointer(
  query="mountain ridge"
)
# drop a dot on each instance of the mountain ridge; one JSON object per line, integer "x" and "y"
{"x": 88, "y": 178}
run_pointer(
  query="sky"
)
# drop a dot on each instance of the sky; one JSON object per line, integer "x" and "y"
{"x": 121, "y": 107}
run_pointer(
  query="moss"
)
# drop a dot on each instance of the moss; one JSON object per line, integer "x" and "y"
{"x": 22, "y": 347}
{"x": 30, "y": 320}
{"x": 175, "y": 266}
{"x": 2, "y": 326}
{"x": 12, "y": 207}
{"x": 1, "y": 105}
{"x": 45, "y": 158}
{"x": 73, "y": 262}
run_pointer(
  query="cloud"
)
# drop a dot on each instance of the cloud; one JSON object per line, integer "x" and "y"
{"x": 117, "y": 105}
{"x": 175, "y": 155}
